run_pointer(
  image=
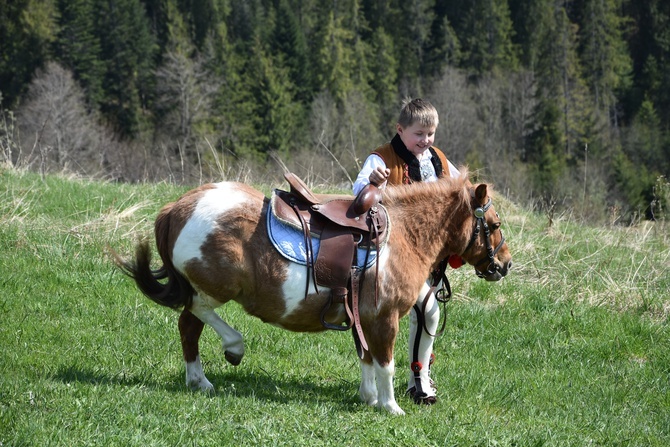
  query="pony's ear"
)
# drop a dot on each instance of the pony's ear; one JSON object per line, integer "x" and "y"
{"x": 481, "y": 194}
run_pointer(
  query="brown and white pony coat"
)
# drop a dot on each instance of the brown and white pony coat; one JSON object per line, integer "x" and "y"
{"x": 214, "y": 246}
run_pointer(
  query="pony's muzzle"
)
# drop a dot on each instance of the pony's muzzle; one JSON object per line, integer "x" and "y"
{"x": 505, "y": 268}
{"x": 495, "y": 271}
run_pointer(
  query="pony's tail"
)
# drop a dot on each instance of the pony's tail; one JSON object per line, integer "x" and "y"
{"x": 165, "y": 286}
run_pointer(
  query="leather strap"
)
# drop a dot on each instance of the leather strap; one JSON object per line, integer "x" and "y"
{"x": 416, "y": 366}
{"x": 438, "y": 274}
{"x": 308, "y": 248}
{"x": 359, "y": 337}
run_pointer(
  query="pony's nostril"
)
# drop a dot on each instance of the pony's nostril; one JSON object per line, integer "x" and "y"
{"x": 509, "y": 265}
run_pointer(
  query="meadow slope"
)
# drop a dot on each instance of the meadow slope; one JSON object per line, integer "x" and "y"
{"x": 571, "y": 349}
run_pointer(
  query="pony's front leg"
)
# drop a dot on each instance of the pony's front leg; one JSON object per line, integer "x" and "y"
{"x": 381, "y": 339}
{"x": 384, "y": 373}
{"x": 368, "y": 389}
{"x": 420, "y": 385}
{"x": 233, "y": 343}
{"x": 190, "y": 328}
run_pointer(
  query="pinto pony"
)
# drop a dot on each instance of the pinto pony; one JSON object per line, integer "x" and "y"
{"x": 215, "y": 247}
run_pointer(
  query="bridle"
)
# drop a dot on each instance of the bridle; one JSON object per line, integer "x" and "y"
{"x": 480, "y": 223}
{"x": 444, "y": 295}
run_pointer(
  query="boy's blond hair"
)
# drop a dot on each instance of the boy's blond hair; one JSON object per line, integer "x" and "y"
{"x": 418, "y": 111}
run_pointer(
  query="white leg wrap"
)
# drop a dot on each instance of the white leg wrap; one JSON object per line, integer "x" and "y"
{"x": 432, "y": 319}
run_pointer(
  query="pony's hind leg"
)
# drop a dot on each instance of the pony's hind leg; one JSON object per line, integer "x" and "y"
{"x": 190, "y": 328}
{"x": 233, "y": 343}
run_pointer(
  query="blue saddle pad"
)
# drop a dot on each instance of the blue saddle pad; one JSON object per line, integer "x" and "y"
{"x": 290, "y": 242}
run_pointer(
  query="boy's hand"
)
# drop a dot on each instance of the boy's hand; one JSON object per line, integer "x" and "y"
{"x": 379, "y": 175}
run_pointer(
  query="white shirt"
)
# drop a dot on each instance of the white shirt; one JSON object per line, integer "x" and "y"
{"x": 427, "y": 170}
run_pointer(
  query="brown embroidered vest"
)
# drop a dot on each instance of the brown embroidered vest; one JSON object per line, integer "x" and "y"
{"x": 399, "y": 169}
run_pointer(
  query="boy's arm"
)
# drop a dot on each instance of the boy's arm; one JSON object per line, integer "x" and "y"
{"x": 372, "y": 163}
{"x": 453, "y": 170}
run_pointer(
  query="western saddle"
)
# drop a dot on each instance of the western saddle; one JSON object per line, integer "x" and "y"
{"x": 343, "y": 224}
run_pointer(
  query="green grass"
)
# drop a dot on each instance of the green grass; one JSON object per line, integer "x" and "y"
{"x": 572, "y": 349}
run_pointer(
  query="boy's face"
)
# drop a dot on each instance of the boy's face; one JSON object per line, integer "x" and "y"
{"x": 417, "y": 138}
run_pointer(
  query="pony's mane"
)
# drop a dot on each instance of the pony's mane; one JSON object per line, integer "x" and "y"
{"x": 400, "y": 193}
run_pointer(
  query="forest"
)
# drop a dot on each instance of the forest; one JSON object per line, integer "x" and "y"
{"x": 563, "y": 105}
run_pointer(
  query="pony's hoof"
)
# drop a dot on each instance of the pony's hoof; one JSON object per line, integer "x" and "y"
{"x": 421, "y": 398}
{"x": 202, "y": 386}
{"x": 369, "y": 399}
{"x": 392, "y": 408}
{"x": 233, "y": 359}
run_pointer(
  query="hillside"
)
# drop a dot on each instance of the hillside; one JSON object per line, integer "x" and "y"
{"x": 572, "y": 348}
{"x": 561, "y": 103}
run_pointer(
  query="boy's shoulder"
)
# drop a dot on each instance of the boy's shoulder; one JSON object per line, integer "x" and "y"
{"x": 385, "y": 151}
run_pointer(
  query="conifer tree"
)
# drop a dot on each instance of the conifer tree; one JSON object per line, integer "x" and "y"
{"x": 442, "y": 46}
{"x": 604, "y": 54}
{"x": 184, "y": 91}
{"x": 487, "y": 38}
{"x": 650, "y": 50}
{"x": 27, "y": 29}
{"x": 334, "y": 56}
{"x": 547, "y": 149}
{"x": 128, "y": 51}
{"x": 157, "y": 14}
{"x": 78, "y": 48}
{"x": 385, "y": 66}
{"x": 410, "y": 30}
{"x": 290, "y": 49}
{"x": 644, "y": 140}
{"x": 558, "y": 72}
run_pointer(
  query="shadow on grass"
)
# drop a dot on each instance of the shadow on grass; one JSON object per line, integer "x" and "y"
{"x": 87, "y": 376}
{"x": 284, "y": 388}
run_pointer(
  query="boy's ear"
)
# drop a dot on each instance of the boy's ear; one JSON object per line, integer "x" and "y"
{"x": 398, "y": 128}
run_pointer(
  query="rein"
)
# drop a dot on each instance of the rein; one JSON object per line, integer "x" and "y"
{"x": 440, "y": 273}
{"x": 444, "y": 295}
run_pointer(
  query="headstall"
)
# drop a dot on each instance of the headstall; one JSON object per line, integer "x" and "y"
{"x": 480, "y": 223}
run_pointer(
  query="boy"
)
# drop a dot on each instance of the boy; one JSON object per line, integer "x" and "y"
{"x": 410, "y": 157}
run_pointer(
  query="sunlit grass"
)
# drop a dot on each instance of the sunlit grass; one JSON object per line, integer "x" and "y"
{"x": 572, "y": 348}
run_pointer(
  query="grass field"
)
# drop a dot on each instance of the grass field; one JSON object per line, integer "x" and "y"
{"x": 571, "y": 349}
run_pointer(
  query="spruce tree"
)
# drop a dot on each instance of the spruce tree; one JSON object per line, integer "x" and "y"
{"x": 272, "y": 119}
{"x": 556, "y": 65}
{"x": 128, "y": 51}
{"x": 442, "y": 46}
{"x": 649, "y": 42}
{"x": 334, "y": 56}
{"x": 410, "y": 30}
{"x": 604, "y": 54}
{"x": 487, "y": 37}
{"x": 290, "y": 49}
{"x": 78, "y": 48}
{"x": 27, "y": 29}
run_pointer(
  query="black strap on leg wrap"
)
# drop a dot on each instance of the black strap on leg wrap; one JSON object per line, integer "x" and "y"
{"x": 416, "y": 365}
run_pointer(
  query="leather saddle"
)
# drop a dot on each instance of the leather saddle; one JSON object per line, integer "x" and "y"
{"x": 343, "y": 224}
